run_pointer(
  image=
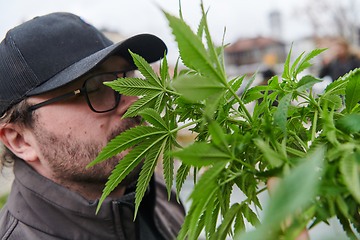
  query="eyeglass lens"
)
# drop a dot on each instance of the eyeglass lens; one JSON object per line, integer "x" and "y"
{"x": 100, "y": 96}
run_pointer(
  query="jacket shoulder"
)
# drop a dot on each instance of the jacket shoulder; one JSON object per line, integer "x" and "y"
{"x": 169, "y": 214}
{"x": 12, "y": 229}
{"x": 7, "y": 223}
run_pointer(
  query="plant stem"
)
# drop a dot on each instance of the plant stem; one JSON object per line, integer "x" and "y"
{"x": 311, "y": 101}
{"x": 247, "y": 114}
{"x": 295, "y": 152}
{"x": 299, "y": 140}
{"x": 314, "y": 126}
{"x": 172, "y": 92}
{"x": 185, "y": 125}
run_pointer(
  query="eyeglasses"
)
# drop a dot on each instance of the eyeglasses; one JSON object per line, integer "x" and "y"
{"x": 99, "y": 97}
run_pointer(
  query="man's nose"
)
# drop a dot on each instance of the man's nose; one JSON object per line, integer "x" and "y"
{"x": 125, "y": 103}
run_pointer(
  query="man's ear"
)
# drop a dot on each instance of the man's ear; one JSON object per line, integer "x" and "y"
{"x": 19, "y": 141}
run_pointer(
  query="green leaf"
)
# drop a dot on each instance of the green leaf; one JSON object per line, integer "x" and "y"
{"x": 212, "y": 105}
{"x": 280, "y": 115}
{"x": 330, "y": 131}
{"x": 239, "y": 225}
{"x": 164, "y": 71}
{"x": 208, "y": 214}
{"x": 248, "y": 85}
{"x": 274, "y": 158}
{"x": 332, "y": 102}
{"x": 199, "y": 227}
{"x": 140, "y": 104}
{"x": 342, "y": 206}
{"x": 176, "y": 68}
{"x": 346, "y": 226}
{"x": 254, "y": 93}
{"x": 352, "y": 96}
{"x": 154, "y": 118}
{"x": 304, "y": 63}
{"x": 127, "y": 164}
{"x": 126, "y": 140}
{"x": 195, "y": 87}
{"x": 235, "y": 85}
{"x": 146, "y": 70}
{"x": 168, "y": 166}
{"x": 209, "y": 176}
{"x": 286, "y": 74}
{"x": 201, "y": 26}
{"x": 292, "y": 70}
{"x": 213, "y": 220}
{"x": 306, "y": 83}
{"x": 349, "y": 169}
{"x": 181, "y": 175}
{"x": 274, "y": 83}
{"x": 133, "y": 86}
{"x": 192, "y": 50}
{"x": 226, "y": 224}
{"x": 217, "y": 135}
{"x": 250, "y": 216}
{"x": 349, "y": 124}
{"x": 159, "y": 102}
{"x": 185, "y": 228}
{"x": 338, "y": 87}
{"x": 201, "y": 154}
{"x": 147, "y": 171}
{"x": 203, "y": 190}
{"x": 295, "y": 190}
{"x": 211, "y": 49}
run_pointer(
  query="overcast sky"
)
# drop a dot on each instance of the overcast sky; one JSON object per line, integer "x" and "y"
{"x": 242, "y": 18}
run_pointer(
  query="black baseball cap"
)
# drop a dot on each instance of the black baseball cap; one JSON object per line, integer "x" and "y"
{"x": 50, "y": 51}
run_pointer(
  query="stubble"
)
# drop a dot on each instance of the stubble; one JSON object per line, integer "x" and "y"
{"x": 67, "y": 157}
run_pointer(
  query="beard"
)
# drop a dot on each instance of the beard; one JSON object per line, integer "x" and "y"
{"x": 67, "y": 157}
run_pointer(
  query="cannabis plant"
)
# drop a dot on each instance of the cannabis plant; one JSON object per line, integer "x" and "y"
{"x": 313, "y": 145}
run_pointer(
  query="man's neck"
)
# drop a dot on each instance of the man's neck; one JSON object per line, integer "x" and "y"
{"x": 91, "y": 191}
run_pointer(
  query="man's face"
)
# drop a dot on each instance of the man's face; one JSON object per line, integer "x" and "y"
{"x": 69, "y": 135}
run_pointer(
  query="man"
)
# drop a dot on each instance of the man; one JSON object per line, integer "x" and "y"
{"x": 56, "y": 117}
{"x": 344, "y": 60}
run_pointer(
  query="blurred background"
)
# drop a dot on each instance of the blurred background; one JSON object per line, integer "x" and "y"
{"x": 260, "y": 33}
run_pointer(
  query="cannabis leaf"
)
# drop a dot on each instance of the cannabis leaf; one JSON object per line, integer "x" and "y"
{"x": 192, "y": 50}
{"x": 310, "y": 144}
{"x": 125, "y": 141}
{"x": 306, "y": 83}
{"x": 195, "y": 87}
{"x": 304, "y": 63}
{"x": 281, "y": 113}
{"x": 127, "y": 164}
{"x": 181, "y": 175}
{"x": 201, "y": 154}
{"x": 289, "y": 196}
{"x": 154, "y": 151}
{"x": 352, "y": 90}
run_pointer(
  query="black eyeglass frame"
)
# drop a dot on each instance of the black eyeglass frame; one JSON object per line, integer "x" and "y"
{"x": 84, "y": 92}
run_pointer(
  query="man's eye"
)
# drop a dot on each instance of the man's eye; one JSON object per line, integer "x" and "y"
{"x": 93, "y": 90}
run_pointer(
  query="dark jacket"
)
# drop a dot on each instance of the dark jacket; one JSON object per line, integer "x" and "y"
{"x": 336, "y": 68}
{"x": 38, "y": 208}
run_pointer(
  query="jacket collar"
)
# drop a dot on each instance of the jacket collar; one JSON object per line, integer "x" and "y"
{"x": 56, "y": 210}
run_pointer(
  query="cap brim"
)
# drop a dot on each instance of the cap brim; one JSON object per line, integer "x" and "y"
{"x": 150, "y": 47}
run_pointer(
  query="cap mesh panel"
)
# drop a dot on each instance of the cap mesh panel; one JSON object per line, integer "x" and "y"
{"x": 16, "y": 75}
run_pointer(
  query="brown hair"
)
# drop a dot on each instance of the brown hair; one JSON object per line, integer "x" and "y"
{"x": 19, "y": 114}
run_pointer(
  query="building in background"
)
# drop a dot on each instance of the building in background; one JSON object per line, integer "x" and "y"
{"x": 275, "y": 25}
{"x": 253, "y": 50}
{"x": 245, "y": 56}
